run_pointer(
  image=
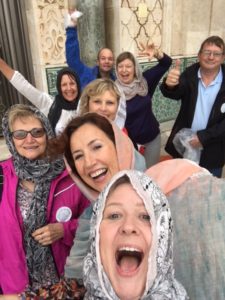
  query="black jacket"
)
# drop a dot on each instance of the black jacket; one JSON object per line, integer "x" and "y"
{"x": 213, "y": 137}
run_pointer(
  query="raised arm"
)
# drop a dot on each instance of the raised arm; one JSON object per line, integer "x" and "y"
{"x": 40, "y": 99}
{"x": 153, "y": 75}
{"x": 73, "y": 52}
{"x": 6, "y": 70}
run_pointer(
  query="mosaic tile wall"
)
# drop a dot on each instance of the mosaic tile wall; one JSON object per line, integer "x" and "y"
{"x": 164, "y": 108}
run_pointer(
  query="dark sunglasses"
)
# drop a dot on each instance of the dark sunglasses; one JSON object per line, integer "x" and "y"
{"x": 22, "y": 134}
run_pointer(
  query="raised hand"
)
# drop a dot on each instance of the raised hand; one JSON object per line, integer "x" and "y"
{"x": 174, "y": 75}
{"x": 150, "y": 50}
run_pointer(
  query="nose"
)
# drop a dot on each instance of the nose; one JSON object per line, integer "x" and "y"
{"x": 29, "y": 138}
{"x": 129, "y": 226}
{"x": 89, "y": 160}
{"x": 211, "y": 55}
{"x": 103, "y": 107}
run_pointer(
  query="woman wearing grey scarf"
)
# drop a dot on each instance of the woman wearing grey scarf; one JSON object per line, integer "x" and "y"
{"x": 39, "y": 207}
{"x": 131, "y": 255}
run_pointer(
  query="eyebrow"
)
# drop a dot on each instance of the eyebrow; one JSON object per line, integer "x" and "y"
{"x": 89, "y": 144}
{"x": 120, "y": 204}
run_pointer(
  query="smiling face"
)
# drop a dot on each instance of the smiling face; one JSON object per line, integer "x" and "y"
{"x": 29, "y": 147}
{"x": 126, "y": 71}
{"x": 69, "y": 88}
{"x": 105, "y": 60}
{"x": 94, "y": 156}
{"x": 125, "y": 242}
{"x": 105, "y": 104}
{"x": 211, "y": 57}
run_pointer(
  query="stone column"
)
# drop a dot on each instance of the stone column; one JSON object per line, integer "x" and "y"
{"x": 91, "y": 29}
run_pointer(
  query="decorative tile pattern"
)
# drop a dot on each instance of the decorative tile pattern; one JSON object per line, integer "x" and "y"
{"x": 51, "y": 75}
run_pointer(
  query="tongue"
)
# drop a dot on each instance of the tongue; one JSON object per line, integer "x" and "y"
{"x": 128, "y": 264}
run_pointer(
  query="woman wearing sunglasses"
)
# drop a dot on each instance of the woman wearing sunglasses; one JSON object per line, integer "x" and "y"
{"x": 39, "y": 207}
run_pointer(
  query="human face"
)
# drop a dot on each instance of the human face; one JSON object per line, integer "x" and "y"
{"x": 30, "y": 147}
{"x": 105, "y": 104}
{"x": 211, "y": 57}
{"x": 125, "y": 242}
{"x": 126, "y": 71}
{"x": 69, "y": 88}
{"x": 105, "y": 60}
{"x": 94, "y": 156}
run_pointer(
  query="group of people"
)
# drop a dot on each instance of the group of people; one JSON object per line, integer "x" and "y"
{"x": 82, "y": 213}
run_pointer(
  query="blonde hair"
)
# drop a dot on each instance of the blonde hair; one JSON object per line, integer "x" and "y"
{"x": 20, "y": 111}
{"x": 95, "y": 88}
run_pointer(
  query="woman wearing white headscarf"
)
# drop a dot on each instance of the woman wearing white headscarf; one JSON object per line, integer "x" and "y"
{"x": 135, "y": 257}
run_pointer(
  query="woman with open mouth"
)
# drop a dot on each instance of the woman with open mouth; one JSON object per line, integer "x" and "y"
{"x": 131, "y": 255}
{"x": 175, "y": 177}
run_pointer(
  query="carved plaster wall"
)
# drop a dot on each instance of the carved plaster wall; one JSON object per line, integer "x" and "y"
{"x": 130, "y": 22}
{"x": 47, "y": 36}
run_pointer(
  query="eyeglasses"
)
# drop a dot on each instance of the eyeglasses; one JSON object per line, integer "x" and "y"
{"x": 22, "y": 134}
{"x": 209, "y": 53}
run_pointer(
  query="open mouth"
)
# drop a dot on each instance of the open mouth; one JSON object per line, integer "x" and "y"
{"x": 97, "y": 174}
{"x": 128, "y": 260}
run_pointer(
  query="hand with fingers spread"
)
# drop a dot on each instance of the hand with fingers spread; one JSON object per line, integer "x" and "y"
{"x": 174, "y": 74}
{"x": 49, "y": 234}
{"x": 150, "y": 50}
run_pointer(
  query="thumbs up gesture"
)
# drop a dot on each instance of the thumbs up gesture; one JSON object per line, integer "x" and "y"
{"x": 174, "y": 75}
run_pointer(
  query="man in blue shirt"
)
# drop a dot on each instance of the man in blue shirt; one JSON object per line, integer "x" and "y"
{"x": 201, "y": 89}
{"x": 105, "y": 58}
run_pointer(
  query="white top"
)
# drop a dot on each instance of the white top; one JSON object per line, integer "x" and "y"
{"x": 41, "y": 100}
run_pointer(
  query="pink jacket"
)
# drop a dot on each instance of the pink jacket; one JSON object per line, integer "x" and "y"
{"x": 63, "y": 193}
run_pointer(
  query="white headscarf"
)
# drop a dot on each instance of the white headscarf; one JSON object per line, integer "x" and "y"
{"x": 160, "y": 283}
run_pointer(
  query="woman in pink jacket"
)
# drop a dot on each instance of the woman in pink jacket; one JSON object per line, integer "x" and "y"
{"x": 39, "y": 206}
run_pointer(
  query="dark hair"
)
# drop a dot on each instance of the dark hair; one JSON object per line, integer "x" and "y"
{"x": 125, "y": 55}
{"x": 61, "y": 144}
{"x": 214, "y": 39}
{"x": 72, "y": 75}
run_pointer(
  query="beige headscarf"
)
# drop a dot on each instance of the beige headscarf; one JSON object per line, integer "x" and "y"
{"x": 138, "y": 86}
{"x": 127, "y": 159}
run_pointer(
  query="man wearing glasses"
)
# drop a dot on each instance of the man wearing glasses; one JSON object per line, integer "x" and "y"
{"x": 201, "y": 89}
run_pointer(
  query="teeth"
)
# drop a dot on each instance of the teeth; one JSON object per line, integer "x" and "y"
{"x": 97, "y": 173}
{"x": 129, "y": 249}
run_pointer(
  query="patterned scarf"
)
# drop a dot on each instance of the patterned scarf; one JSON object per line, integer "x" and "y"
{"x": 41, "y": 172}
{"x": 160, "y": 282}
{"x": 138, "y": 86}
{"x": 60, "y": 102}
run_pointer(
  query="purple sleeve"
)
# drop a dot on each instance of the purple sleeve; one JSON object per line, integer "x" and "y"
{"x": 154, "y": 74}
